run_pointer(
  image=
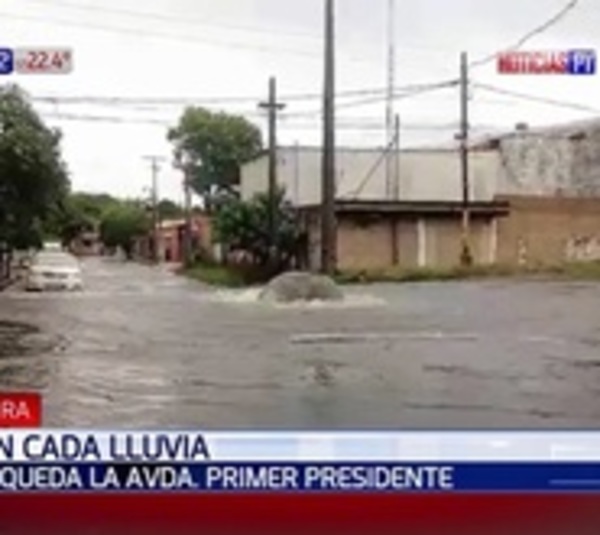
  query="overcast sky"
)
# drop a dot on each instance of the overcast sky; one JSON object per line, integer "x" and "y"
{"x": 202, "y": 49}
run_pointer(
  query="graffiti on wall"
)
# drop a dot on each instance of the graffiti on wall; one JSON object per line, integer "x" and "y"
{"x": 582, "y": 249}
{"x": 522, "y": 252}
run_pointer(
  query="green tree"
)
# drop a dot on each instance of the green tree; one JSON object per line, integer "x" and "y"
{"x": 243, "y": 226}
{"x": 78, "y": 212}
{"x": 122, "y": 224}
{"x": 168, "y": 209}
{"x": 216, "y": 145}
{"x": 33, "y": 176}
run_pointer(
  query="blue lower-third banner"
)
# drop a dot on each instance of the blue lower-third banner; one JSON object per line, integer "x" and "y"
{"x": 302, "y": 477}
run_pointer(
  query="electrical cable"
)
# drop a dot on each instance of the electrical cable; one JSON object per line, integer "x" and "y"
{"x": 160, "y": 35}
{"x": 552, "y": 21}
{"x": 167, "y": 17}
{"x": 416, "y": 91}
{"x": 533, "y": 98}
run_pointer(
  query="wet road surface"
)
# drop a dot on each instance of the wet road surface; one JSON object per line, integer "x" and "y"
{"x": 141, "y": 347}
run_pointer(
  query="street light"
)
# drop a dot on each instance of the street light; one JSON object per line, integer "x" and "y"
{"x": 185, "y": 163}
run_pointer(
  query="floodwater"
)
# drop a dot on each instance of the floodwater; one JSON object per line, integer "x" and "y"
{"x": 141, "y": 347}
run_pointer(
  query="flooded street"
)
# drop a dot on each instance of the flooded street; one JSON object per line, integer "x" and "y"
{"x": 141, "y": 347}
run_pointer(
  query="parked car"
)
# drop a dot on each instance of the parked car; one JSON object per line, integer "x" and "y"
{"x": 53, "y": 247}
{"x": 54, "y": 271}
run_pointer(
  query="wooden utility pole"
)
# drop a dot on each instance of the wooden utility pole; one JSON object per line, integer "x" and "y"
{"x": 396, "y": 189}
{"x": 391, "y": 82}
{"x": 328, "y": 186}
{"x": 466, "y": 258}
{"x": 155, "y": 167}
{"x": 187, "y": 236}
{"x": 396, "y": 182}
{"x": 273, "y": 107}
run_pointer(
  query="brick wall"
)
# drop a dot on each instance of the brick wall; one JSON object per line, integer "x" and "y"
{"x": 549, "y": 231}
{"x": 428, "y": 242}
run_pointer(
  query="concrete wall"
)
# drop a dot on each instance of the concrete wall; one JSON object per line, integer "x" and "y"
{"x": 424, "y": 175}
{"x": 560, "y": 161}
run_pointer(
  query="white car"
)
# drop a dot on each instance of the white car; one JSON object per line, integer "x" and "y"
{"x": 54, "y": 271}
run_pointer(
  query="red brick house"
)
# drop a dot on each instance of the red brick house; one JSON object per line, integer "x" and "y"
{"x": 171, "y": 239}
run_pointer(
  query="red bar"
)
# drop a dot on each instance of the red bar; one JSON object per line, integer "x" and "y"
{"x": 540, "y": 62}
{"x": 294, "y": 515}
{"x": 20, "y": 410}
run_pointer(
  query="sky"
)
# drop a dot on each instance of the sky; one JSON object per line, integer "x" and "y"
{"x": 199, "y": 51}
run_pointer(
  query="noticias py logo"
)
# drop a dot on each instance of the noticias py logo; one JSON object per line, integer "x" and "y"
{"x": 579, "y": 62}
{"x": 7, "y": 62}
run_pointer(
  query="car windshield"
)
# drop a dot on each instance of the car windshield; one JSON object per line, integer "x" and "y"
{"x": 58, "y": 260}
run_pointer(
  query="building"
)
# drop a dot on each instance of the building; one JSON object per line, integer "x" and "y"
{"x": 171, "y": 239}
{"x": 424, "y": 175}
{"x": 418, "y": 234}
{"x": 534, "y": 199}
{"x": 87, "y": 243}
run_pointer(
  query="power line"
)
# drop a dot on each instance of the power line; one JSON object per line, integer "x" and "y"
{"x": 552, "y": 21}
{"x": 534, "y": 98}
{"x": 167, "y": 17}
{"x": 183, "y": 101}
{"x": 355, "y": 193}
{"x": 160, "y": 35}
{"x": 351, "y": 124}
{"x": 190, "y": 20}
{"x": 374, "y": 96}
{"x": 408, "y": 93}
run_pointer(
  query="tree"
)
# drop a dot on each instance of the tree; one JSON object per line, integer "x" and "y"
{"x": 33, "y": 177}
{"x": 167, "y": 209}
{"x": 216, "y": 145}
{"x": 77, "y": 213}
{"x": 122, "y": 224}
{"x": 243, "y": 226}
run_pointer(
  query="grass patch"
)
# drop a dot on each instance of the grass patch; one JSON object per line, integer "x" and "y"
{"x": 215, "y": 275}
{"x": 230, "y": 277}
{"x": 582, "y": 270}
{"x": 569, "y": 271}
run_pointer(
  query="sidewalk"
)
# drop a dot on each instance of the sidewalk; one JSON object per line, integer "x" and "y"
{"x": 171, "y": 267}
{"x": 7, "y": 283}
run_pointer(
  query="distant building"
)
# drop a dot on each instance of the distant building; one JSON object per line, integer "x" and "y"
{"x": 424, "y": 175}
{"x": 87, "y": 243}
{"x": 534, "y": 193}
{"x": 171, "y": 239}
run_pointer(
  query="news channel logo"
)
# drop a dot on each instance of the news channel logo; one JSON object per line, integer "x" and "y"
{"x": 574, "y": 62}
{"x": 581, "y": 62}
{"x": 7, "y": 61}
{"x": 48, "y": 60}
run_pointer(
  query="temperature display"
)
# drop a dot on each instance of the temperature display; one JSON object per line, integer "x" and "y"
{"x": 43, "y": 60}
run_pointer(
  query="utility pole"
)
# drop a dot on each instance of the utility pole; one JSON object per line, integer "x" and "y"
{"x": 328, "y": 186}
{"x": 391, "y": 74}
{"x": 396, "y": 182}
{"x": 466, "y": 258}
{"x": 155, "y": 168}
{"x": 396, "y": 189}
{"x": 273, "y": 107}
{"x": 187, "y": 236}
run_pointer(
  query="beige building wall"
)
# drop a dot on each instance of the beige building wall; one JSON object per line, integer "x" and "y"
{"x": 549, "y": 231}
{"x": 425, "y": 242}
{"x": 425, "y": 175}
